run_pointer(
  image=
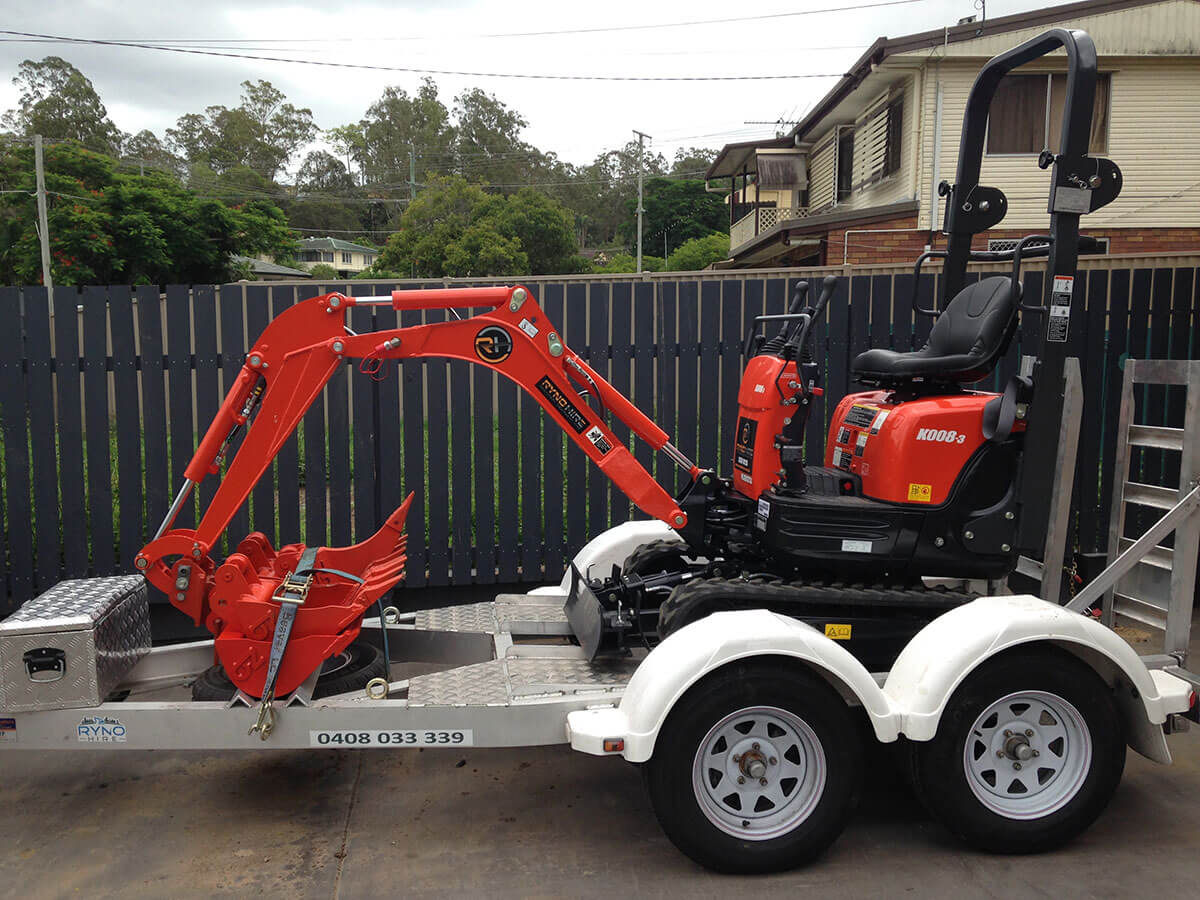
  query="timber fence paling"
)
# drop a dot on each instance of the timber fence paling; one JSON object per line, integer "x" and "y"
{"x": 104, "y": 392}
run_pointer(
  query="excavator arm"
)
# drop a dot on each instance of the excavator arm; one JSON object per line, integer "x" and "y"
{"x": 285, "y": 371}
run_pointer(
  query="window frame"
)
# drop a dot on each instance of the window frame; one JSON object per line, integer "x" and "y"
{"x": 1049, "y": 76}
{"x": 888, "y": 171}
{"x": 845, "y": 133}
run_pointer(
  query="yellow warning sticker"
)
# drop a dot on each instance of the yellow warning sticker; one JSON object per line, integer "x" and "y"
{"x": 838, "y": 632}
{"x": 920, "y": 493}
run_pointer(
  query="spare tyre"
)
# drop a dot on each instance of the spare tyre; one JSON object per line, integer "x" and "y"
{"x": 343, "y": 672}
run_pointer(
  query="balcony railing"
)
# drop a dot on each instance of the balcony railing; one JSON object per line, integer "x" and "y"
{"x": 757, "y": 221}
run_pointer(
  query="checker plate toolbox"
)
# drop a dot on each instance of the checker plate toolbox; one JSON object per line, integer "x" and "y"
{"x": 71, "y": 646}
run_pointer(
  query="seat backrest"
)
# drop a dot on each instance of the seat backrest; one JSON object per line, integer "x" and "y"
{"x": 978, "y": 323}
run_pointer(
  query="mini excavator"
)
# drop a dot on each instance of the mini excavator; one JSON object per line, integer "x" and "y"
{"x": 922, "y": 475}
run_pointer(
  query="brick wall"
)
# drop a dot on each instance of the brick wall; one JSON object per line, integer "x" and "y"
{"x": 896, "y": 240}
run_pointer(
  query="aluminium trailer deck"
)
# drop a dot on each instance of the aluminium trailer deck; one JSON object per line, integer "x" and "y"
{"x": 496, "y": 674}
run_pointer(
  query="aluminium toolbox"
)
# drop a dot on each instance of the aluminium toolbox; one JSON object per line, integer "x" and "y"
{"x": 71, "y": 646}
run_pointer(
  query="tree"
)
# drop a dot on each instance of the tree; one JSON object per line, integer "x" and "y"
{"x": 60, "y": 103}
{"x": 692, "y": 162}
{"x": 699, "y": 253}
{"x": 262, "y": 133}
{"x": 544, "y": 229}
{"x": 116, "y": 227}
{"x": 323, "y": 272}
{"x": 488, "y": 141}
{"x": 146, "y": 151}
{"x": 324, "y": 173}
{"x": 396, "y": 125}
{"x": 454, "y": 228}
{"x": 675, "y": 210}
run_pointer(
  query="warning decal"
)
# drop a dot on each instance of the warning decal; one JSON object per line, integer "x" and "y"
{"x": 838, "y": 632}
{"x": 1060, "y": 308}
{"x": 920, "y": 493}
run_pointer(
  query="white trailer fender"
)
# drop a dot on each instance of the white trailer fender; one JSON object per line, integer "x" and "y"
{"x": 611, "y": 548}
{"x": 948, "y": 649}
{"x": 697, "y": 649}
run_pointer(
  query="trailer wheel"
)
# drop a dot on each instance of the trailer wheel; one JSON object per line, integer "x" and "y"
{"x": 1027, "y": 754}
{"x": 348, "y": 671}
{"x": 756, "y": 769}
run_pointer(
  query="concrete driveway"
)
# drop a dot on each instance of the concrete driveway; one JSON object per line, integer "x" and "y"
{"x": 511, "y": 823}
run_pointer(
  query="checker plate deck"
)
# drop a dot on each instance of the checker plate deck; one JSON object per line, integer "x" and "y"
{"x": 503, "y": 682}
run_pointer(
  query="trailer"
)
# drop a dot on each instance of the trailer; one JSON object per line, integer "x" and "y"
{"x": 750, "y": 727}
{"x": 749, "y": 695}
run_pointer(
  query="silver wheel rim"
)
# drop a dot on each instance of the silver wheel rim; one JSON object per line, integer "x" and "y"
{"x": 1027, "y": 755}
{"x": 781, "y": 766}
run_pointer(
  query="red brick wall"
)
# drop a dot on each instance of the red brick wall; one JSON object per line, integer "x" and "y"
{"x": 876, "y": 243}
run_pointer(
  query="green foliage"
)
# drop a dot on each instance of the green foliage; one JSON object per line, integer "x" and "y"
{"x": 675, "y": 210}
{"x": 59, "y": 103}
{"x": 454, "y": 228}
{"x": 620, "y": 263}
{"x": 146, "y": 151}
{"x": 692, "y": 162}
{"x": 699, "y": 253}
{"x": 323, "y": 272}
{"x": 111, "y": 227}
{"x": 262, "y": 133}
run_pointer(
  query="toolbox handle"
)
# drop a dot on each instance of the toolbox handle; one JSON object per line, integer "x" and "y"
{"x": 45, "y": 664}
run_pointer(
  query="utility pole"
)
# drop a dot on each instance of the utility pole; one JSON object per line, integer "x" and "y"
{"x": 641, "y": 140}
{"x": 43, "y": 226}
{"x": 412, "y": 175}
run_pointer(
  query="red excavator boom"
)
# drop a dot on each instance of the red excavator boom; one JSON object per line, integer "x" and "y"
{"x": 240, "y": 600}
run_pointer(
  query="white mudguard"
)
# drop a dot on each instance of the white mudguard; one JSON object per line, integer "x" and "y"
{"x": 697, "y": 649}
{"x": 610, "y": 548}
{"x": 928, "y": 671}
{"x": 948, "y": 649}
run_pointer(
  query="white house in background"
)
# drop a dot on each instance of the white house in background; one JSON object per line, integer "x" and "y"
{"x": 856, "y": 181}
{"x": 349, "y": 259}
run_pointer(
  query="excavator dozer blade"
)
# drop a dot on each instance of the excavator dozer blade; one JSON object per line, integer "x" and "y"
{"x": 585, "y": 614}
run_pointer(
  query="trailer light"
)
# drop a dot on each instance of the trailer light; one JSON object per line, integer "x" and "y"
{"x": 614, "y": 745}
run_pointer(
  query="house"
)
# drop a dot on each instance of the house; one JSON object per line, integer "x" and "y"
{"x": 349, "y": 259}
{"x": 268, "y": 270}
{"x": 856, "y": 182}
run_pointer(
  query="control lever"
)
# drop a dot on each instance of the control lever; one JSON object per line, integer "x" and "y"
{"x": 776, "y": 344}
{"x": 801, "y": 340}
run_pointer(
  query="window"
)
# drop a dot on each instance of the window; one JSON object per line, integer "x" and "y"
{"x": 1026, "y": 114}
{"x": 327, "y": 257}
{"x": 845, "y": 164}
{"x": 895, "y": 126}
{"x": 347, "y": 259}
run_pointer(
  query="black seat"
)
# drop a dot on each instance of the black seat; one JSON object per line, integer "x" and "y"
{"x": 967, "y": 340}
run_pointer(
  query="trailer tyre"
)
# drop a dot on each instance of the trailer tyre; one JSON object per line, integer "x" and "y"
{"x": 756, "y": 768}
{"x": 348, "y": 671}
{"x": 1027, "y": 754}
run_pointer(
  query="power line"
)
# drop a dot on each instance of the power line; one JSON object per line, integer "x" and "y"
{"x": 602, "y": 29}
{"x": 412, "y": 70}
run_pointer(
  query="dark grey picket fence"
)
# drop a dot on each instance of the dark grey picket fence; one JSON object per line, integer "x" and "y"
{"x": 104, "y": 392}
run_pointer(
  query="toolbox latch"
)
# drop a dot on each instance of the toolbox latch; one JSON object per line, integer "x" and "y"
{"x": 45, "y": 664}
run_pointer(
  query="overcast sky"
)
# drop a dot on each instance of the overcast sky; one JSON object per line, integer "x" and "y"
{"x": 577, "y": 119}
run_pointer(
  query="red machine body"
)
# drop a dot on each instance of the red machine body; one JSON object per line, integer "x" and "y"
{"x": 903, "y": 450}
{"x": 768, "y": 385}
{"x": 908, "y": 451}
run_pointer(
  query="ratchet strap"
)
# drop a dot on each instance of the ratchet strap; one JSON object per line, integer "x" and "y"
{"x": 291, "y": 595}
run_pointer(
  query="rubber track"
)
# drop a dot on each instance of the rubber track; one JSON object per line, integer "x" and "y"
{"x": 652, "y": 552}
{"x": 700, "y": 597}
